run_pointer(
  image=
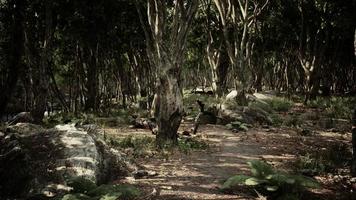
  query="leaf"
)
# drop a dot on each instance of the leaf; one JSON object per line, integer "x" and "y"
{"x": 234, "y": 181}
{"x": 254, "y": 181}
{"x": 306, "y": 181}
{"x": 271, "y": 188}
{"x": 260, "y": 169}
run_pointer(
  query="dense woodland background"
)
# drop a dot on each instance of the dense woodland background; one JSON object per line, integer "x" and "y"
{"x": 266, "y": 65}
{"x": 88, "y": 56}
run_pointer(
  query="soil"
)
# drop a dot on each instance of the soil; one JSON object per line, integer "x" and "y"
{"x": 199, "y": 174}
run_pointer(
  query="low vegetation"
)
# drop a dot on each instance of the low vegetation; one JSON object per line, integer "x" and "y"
{"x": 270, "y": 182}
{"x": 84, "y": 189}
{"x": 324, "y": 161}
{"x": 145, "y": 146}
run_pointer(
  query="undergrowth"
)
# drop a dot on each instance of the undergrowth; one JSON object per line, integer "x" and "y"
{"x": 143, "y": 146}
{"x": 325, "y": 160}
{"x": 84, "y": 189}
{"x": 335, "y": 107}
{"x": 270, "y": 182}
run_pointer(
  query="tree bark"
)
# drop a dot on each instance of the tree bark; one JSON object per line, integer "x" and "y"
{"x": 353, "y": 164}
{"x": 165, "y": 47}
{"x": 41, "y": 90}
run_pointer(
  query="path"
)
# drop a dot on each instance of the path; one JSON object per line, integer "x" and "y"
{"x": 198, "y": 175}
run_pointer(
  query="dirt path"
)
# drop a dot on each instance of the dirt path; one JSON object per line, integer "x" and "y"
{"x": 199, "y": 174}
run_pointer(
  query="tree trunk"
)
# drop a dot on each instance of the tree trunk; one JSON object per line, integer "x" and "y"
{"x": 353, "y": 164}
{"x": 41, "y": 90}
{"x": 169, "y": 110}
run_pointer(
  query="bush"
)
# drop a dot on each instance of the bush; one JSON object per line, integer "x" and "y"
{"x": 270, "y": 182}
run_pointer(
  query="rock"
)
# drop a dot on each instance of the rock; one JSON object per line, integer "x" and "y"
{"x": 24, "y": 117}
{"x": 25, "y": 128}
{"x": 263, "y": 96}
{"x": 140, "y": 174}
{"x": 44, "y": 160}
{"x": 80, "y": 152}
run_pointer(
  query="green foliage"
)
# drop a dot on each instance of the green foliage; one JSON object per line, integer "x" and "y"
{"x": 280, "y": 104}
{"x": 81, "y": 185}
{"x": 335, "y": 107}
{"x": 122, "y": 191}
{"x": 271, "y": 182}
{"x": 84, "y": 189}
{"x": 188, "y": 144}
{"x": 324, "y": 160}
{"x": 146, "y": 146}
{"x": 141, "y": 145}
{"x": 237, "y": 125}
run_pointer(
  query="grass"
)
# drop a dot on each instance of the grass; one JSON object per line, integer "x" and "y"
{"x": 145, "y": 146}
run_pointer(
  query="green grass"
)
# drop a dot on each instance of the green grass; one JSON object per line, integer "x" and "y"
{"x": 143, "y": 146}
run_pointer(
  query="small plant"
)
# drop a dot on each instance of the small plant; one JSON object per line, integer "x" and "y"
{"x": 270, "y": 182}
{"x": 140, "y": 145}
{"x": 188, "y": 144}
{"x": 236, "y": 125}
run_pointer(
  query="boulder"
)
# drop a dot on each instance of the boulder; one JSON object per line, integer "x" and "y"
{"x": 24, "y": 117}
{"x": 42, "y": 161}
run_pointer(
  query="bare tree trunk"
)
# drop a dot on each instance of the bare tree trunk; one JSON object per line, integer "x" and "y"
{"x": 41, "y": 90}
{"x": 166, "y": 48}
{"x": 353, "y": 164}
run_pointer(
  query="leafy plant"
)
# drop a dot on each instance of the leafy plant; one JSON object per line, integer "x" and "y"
{"x": 237, "y": 125}
{"x": 270, "y": 181}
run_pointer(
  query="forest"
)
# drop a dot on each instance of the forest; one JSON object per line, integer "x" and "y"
{"x": 177, "y": 99}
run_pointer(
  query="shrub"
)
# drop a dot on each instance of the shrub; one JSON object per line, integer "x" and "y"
{"x": 270, "y": 182}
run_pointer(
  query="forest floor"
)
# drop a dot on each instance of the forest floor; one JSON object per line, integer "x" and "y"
{"x": 199, "y": 174}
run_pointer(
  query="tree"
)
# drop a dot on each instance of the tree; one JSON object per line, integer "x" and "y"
{"x": 236, "y": 18}
{"x": 16, "y": 49}
{"x": 166, "y": 49}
